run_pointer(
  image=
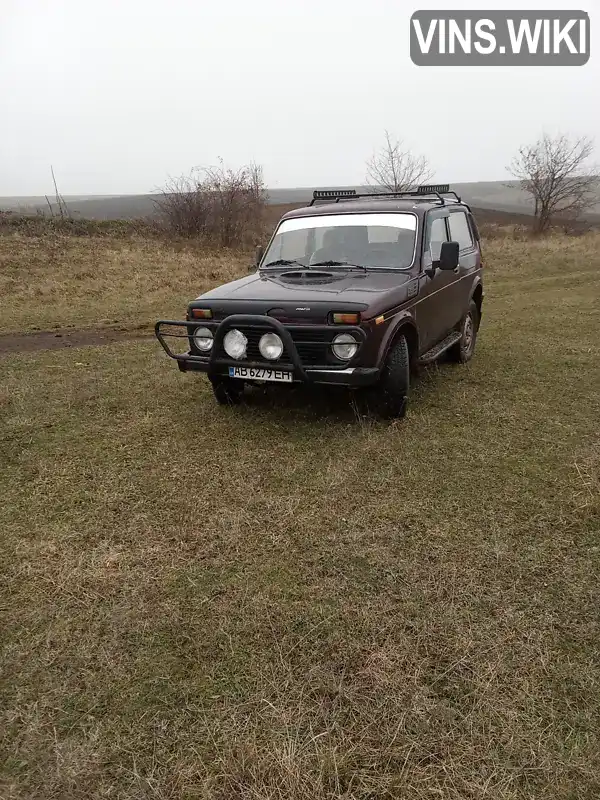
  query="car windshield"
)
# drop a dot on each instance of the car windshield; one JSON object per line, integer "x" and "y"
{"x": 368, "y": 240}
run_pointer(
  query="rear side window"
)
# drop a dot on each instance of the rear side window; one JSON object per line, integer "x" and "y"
{"x": 383, "y": 235}
{"x": 293, "y": 246}
{"x": 460, "y": 231}
{"x": 474, "y": 228}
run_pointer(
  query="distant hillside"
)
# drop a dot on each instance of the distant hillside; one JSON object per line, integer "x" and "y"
{"x": 492, "y": 195}
{"x": 89, "y": 206}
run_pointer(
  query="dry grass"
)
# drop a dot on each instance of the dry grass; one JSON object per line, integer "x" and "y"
{"x": 60, "y": 281}
{"x": 281, "y": 602}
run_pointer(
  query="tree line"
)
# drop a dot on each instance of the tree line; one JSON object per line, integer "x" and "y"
{"x": 227, "y": 206}
{"x": 556, "y": 172}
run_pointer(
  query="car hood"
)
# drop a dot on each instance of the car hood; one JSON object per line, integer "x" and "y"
{"x": 348, "y": 288}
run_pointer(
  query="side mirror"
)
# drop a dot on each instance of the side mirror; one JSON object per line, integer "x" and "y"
{"x": 448, "y": 256}
{"x": 259, "y": 254}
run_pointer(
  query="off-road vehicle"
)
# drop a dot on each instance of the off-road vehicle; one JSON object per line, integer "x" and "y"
{"x": 354, "y": 289}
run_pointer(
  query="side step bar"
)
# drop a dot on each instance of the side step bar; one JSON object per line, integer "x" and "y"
{"x": 440, "y": 348}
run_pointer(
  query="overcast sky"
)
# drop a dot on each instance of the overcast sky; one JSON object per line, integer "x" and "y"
{"x": 120, "y": 94}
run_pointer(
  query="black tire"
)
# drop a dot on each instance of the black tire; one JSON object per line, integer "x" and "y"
{"x": 463, "y": 350}
{"x": 389, "y": 397}
{"x": 227, "y": 392}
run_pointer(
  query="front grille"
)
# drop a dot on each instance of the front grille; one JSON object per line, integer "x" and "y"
{"x": 312, "y": 346}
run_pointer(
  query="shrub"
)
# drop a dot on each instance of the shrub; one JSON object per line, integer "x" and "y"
{"x": 223, "y": 206}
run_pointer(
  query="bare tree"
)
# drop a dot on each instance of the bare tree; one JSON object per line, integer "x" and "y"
{"x": 394, "y": 168}
{"x": 182, "y": 206}
{"x": 222, "y": 205}
{"x": 556, "y": 173}
{"x": 237, "y": 198}
{"x": 63, "y": 208}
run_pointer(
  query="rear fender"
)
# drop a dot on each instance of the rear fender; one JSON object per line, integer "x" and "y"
{"x": 477, "y": 294}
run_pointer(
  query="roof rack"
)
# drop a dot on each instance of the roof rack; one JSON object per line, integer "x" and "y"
{"x": 438, "y": 191}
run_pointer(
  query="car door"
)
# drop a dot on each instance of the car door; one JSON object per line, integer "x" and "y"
{"x": 433, "y": 310}
{"x": 468, "y": 262}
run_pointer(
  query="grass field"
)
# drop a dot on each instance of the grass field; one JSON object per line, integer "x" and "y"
{"x": 61, "y": 281}
{"x": 281, "y": 600}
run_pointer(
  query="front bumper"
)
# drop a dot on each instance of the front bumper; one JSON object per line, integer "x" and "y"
{"x": 217, "y": 364}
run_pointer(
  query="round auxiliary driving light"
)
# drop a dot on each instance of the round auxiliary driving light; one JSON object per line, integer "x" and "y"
{"x": 235, "y": 343}
{"x": 203, "y": 339}
{"x": 270, "y": 346}
{"x": 345, "y": 346}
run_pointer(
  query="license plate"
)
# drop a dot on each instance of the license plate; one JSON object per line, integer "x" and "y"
{"x": 260, "y": 374}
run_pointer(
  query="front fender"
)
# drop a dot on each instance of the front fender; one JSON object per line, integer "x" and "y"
{"x": 402, "y": 318}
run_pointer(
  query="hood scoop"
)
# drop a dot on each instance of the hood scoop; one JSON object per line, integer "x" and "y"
{"x": 306, "y": 277}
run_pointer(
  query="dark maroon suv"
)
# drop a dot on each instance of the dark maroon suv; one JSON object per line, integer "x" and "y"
{"x": 353, "y": 289}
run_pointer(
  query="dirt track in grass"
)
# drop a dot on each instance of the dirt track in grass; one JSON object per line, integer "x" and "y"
{"x": 59, "y": 339}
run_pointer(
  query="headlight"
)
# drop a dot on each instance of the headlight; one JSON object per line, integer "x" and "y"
{"x": 203, "y": 339}
{"x": 270, "y": 346}
{"x": 235, "y": 343}
{"x": 345, "y": 346}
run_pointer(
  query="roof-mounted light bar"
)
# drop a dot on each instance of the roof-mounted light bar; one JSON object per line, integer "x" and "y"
{"x": 332, "y": 194}
{"x": 433, "y": 188}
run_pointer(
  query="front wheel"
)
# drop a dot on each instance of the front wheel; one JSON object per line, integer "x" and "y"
{"x": 463, "y": 350}
{"x": 227, "y": 391}
{"x": 389, "y": 397}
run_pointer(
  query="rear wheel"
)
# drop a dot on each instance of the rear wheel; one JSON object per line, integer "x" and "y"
{"x": 227, "y": 391}
{"x": 389, "y": 397}
{"x": 463, "y": 350}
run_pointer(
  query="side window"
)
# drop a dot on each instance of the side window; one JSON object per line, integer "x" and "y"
{"x": 460, "y": 231}
{"x": 319, "y": 237}
{"x": 382, "y": 234}
{"x": 291, "y": 245}
{"x": 436, "y": 235}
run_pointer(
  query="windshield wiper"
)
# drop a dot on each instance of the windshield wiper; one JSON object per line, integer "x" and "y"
{"x": 283, "y": 262}
{"x": 337, "y": 264}
{"x": 288, "y": 262}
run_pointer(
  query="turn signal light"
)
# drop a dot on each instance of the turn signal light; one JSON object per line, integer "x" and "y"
{"x": 346, "y": 319}
{"x": 201, "y": 313}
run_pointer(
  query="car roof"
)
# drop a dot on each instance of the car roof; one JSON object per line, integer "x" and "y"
{"x": 370, "y": 206}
